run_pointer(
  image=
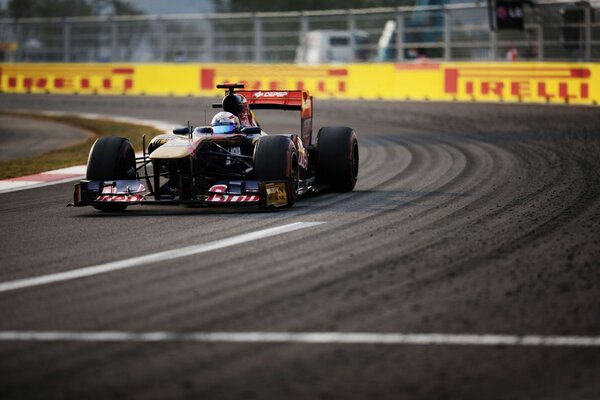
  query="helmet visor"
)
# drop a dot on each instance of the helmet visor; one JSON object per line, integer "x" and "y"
{"x": 223, "y": 128}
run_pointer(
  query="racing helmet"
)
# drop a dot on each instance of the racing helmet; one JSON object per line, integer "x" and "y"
{"x": 225, "y": 122}
{"x": 246, "y": 117}
{"x": 242, "y": 100}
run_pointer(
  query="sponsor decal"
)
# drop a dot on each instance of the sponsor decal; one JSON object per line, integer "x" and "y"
{"x": 316, "y": 79}
{"x": 121, "y": 198}
{"x": 276, "y": 194}
{"x": 67, "y": 80}
{"x": 218, "y": 189}
{"x": 302, "y": 157}
{"x": 217, "y": 197}
{"x": 545, "y": 83}
{"x": 270, "y": 94}
{"x": 110, "y": 194}
{"x": 308, "y": 104}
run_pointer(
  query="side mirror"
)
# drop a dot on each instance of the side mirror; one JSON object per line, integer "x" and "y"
{"x": 181, "y": 131}
{"x": 251, "y": 130}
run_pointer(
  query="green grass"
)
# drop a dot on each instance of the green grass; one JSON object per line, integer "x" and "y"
{"x": 76, "y": 154}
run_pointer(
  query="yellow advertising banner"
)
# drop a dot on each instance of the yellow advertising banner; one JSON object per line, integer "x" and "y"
{"x": 527, "y": 82}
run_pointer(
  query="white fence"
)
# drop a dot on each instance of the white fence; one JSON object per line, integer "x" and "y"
{"x": 553, "y": 31}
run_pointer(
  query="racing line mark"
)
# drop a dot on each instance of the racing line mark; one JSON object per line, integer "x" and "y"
{"x": 306, "y": 338}
{"x": 153, "y": 258}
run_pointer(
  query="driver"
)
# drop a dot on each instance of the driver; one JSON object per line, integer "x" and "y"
{"x": 246, "y": 115}
{"x": 225, "y": 122}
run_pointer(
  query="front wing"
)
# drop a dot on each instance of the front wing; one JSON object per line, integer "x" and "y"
{"x": 131, "y": 192}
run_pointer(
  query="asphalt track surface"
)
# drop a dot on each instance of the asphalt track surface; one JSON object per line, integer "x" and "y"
{"x": 467, "y": 219}
{"x": 22, "y": 137}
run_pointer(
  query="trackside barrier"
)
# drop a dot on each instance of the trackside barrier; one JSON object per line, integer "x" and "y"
{"x": 527, "y": 82}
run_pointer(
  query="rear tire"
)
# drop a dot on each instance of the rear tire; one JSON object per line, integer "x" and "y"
{"x": 111, "y": 158}
{"x": 337, "y": 158}
{"x": 275, "y": 159}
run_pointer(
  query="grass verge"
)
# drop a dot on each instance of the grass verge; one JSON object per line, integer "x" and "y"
{"x": 76, "y": 154}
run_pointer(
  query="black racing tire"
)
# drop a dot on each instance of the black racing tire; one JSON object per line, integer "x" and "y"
{"x": 276, "y": 158}
{"x": 111, "y": 158}
{"x": 337, "y": 158}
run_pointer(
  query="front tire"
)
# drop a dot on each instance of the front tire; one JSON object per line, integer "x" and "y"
{"x": 111, "y": 158}
{"x": 276, "y": 159}
{"x": 337, "y": 158}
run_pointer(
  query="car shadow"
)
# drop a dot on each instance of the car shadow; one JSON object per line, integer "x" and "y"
{"x": 314, "y": 203}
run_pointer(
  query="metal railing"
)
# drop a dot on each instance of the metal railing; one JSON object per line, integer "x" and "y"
{"x": 451, "y": 32}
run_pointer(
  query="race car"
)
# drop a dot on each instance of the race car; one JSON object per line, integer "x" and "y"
{"x": 231, "y": 162}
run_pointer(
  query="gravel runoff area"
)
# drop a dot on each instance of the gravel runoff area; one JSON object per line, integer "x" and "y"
{"x": 467, "y": 219}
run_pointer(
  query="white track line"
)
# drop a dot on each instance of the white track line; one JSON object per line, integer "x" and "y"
{"x": 15, "y": 186}
{"x": 307, "y": 338}
{"x": 153, "y": 258}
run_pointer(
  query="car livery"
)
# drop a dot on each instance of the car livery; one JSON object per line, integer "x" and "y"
{"x": 200, "y": 167}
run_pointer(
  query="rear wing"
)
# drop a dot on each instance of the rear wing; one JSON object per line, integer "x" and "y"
{"x": 275, "y": 100}
{"x": 299, "y": 100}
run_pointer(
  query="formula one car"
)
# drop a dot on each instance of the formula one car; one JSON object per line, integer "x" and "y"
{"x": 226, "y": 163}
